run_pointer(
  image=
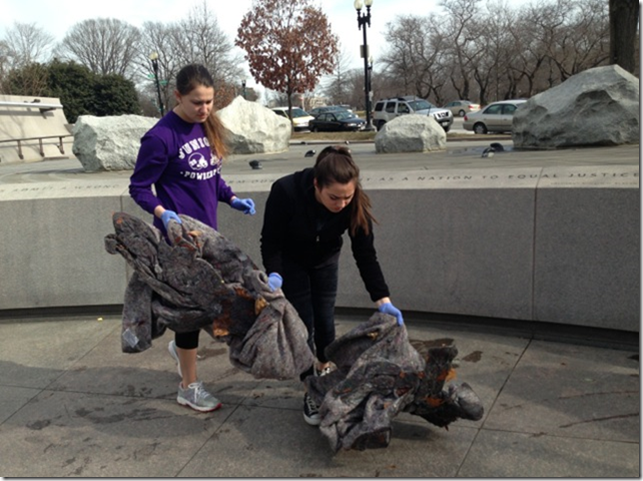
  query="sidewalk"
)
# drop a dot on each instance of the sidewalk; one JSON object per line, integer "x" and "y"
{"x": 72, "y": 404}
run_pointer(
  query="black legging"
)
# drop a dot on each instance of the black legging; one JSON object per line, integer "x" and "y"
{"x": 187, "y": 340}
{"x": 312, "y": 292}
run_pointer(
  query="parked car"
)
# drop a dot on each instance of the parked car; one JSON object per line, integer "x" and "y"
{"x": 495, "y": 117}
{"x": 300, "y": 117}
{"x": 387, "y": 109}
{"x": 337, "y": 121}
{"x": 329, "y": 108}
{"x": 461, "y": 107}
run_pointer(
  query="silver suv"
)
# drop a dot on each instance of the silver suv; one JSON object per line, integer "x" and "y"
{"x": 387, "y": 109}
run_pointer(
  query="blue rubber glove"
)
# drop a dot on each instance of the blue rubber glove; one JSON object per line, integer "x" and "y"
{"x": 169, "y": 215}
{"x": 390, "y": 309}
{"x": 275, "y": 281}
{"x": 247, "y": 206}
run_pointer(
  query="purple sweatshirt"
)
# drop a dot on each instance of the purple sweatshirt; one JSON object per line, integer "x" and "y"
{"x": 175, "y": 157}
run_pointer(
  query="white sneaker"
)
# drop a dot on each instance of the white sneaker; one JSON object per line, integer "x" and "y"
{"x": 322, "y": 372}
{"x": 197, "y": 398}
{"x": 171, "y": 347}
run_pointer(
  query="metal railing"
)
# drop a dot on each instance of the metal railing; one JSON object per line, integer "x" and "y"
{"x": 60, "y": 145}
{"x": 34, "y": 103}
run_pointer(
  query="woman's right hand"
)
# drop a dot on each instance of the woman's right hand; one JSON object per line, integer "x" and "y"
{"x": 169, "y": 215}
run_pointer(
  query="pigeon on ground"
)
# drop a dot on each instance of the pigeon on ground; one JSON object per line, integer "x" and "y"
{"x": 255, "y": 164}
{"x": 488, "y": 152}
{"x": 310, "y": 153}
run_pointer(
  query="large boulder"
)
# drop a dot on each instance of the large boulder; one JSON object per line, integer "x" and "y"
{"x": 109, "y": 143}
{"x": 599, "y": 106}
{"x": 253, "y": 128}
{"x": 411, "y": 133}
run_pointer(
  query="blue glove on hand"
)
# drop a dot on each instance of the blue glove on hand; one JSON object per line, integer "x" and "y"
{"x": 247, "y": 206}
{"x": 169, "y": 215}
{"x": 390, "y": 309}
{"x": 275, "y": 281}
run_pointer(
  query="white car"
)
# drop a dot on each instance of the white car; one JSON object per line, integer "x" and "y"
{"x": 495, "y": 117}
{"x": 300, "y": 117}
{"x": 387, "y": 109}
{"x": 461, "y": 107}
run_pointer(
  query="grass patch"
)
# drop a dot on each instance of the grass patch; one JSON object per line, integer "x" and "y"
{"x": 338, "y": 136}
{"x": 370, "y": 136}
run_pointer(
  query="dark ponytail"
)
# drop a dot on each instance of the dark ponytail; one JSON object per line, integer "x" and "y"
{"x": 335, "y": 164}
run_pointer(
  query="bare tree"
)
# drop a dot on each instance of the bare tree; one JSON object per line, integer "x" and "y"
{"x": 624, "y": 23}
{"x": 414, "y": 62}
{"x": 157, "y": 37}
{"x": 578, "y": 34}
{"x": 461, "y": 18}
{"x": 289, "y": 45}
{"x": 198, "y": 39}
{"x": 338, "y": 85}
{"x": 4, "y": 63}
{"x": 195, "y": 39}
{"x": 104, "y": 45}
{"x": 529, "y": 47}
{"x": 25, "y": 43}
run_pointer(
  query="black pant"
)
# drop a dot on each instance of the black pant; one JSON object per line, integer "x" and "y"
{"x": 312, "y": 292}
{"x": 187, "y": 340}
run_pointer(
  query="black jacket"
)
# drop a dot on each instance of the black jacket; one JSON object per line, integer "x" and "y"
{"x": 298, "y": 227}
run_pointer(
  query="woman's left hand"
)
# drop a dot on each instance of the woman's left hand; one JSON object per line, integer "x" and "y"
{"x": 390, "y": 309}
{"x": 247, "y": 206}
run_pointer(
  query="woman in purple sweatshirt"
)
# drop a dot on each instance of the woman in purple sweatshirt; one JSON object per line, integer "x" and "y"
{"x": 181, "y": 158}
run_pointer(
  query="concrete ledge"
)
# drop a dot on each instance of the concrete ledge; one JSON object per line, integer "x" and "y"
{"x": 536, "y": 244}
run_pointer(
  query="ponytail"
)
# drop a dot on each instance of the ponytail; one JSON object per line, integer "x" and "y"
{"x": 335, "y": 164}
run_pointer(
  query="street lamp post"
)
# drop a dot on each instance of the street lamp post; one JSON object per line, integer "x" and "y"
{"x": 154, "y": 57}
{"x": 362, "y": 21}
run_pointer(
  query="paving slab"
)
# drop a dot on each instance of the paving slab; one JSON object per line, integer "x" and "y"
{"x": 62, "y": 434}
{"x": 416, "y": 450}
{"x": 575, "y": 391}
{"x": 506, "y": 454}
{"x": 72, "y": 404}
{"x": 36, "y": 353}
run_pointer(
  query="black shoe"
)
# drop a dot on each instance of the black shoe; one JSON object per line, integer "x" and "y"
{"x": 311, "y": 411}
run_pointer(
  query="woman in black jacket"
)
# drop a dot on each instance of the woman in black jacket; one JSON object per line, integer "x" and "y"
{"x": 306, "y": 214}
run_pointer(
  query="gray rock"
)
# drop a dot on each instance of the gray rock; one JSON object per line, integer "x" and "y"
{"x": 411, "y": 133}
{"x": 599, "y": 106}
{"x": 109, "y": 143}
{"x": 253, "y": 128}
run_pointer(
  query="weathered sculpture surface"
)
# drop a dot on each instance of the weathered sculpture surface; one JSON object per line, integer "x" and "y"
{"x": 198, "y": 279}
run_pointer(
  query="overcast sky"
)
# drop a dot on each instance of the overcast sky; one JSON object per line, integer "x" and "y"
{"x": 57, "y": 16}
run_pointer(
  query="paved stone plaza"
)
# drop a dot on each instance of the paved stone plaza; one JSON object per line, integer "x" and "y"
{"x": 72, "y": 404}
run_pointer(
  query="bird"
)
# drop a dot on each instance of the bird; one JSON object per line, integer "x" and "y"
{"x": 497, "y": 147}
{"x": 310, "y": 153}
{"x": 255, "y": 164}
{"x": 488, "y": 152}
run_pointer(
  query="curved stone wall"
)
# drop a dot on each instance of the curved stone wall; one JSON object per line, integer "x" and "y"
{"x": 548, "y": 244}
